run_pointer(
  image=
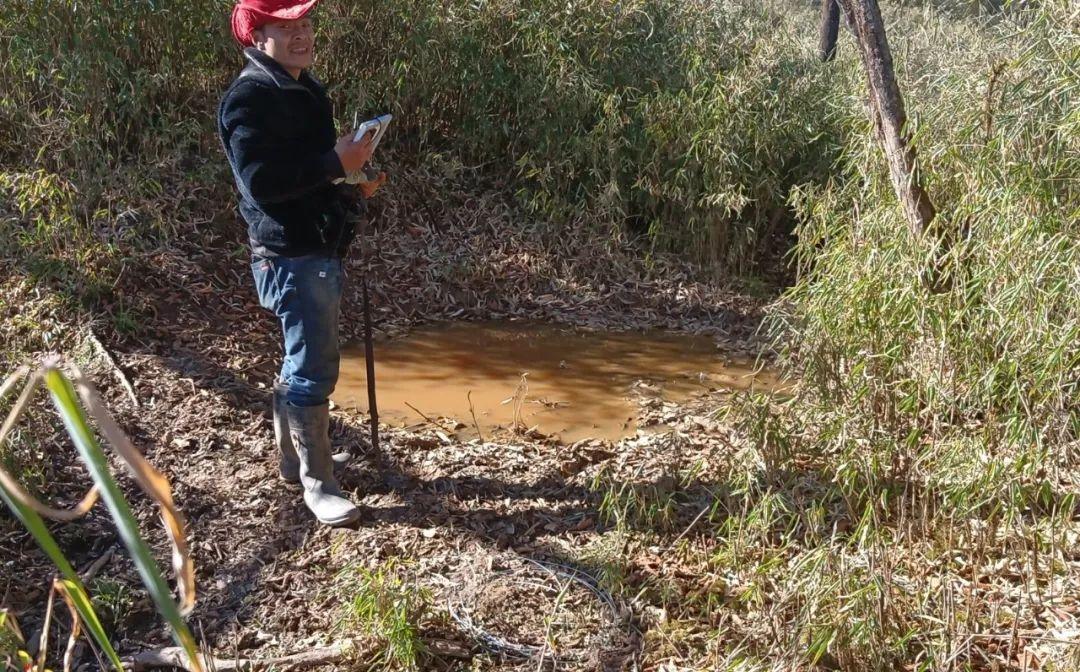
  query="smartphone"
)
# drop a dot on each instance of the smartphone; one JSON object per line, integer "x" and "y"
{"x": 378, "y": 124}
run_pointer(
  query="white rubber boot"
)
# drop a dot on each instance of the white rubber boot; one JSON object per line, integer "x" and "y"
{"x": 309, "y": 427}
{"x": 288, "y": 460}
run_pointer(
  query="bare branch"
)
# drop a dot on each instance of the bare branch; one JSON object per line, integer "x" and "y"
{"x": 173, "y": 656}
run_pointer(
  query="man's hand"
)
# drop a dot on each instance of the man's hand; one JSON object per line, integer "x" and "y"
{"x": 369, "y": 188}
{"x": 353, "y": 155}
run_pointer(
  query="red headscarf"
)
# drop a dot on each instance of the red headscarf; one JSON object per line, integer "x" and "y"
{"x": 250, "y": 15}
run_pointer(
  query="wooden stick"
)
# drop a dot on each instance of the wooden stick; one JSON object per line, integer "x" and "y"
{"x": 473, "y": 412}
{"x": 421, "y": 414}
{"x": 95, "y": 567}
{"x": 115, "y": 368}
{"x": 369, "y": 345}
{"x": 173, "y": 656}
{"x": 369, "y": 360}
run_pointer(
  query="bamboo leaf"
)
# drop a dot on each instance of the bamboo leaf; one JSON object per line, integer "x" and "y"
{"x": 36, "y": 526}
{"x": 67, "y": 404}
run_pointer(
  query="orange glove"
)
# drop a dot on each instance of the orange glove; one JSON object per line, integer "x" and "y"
{"x": 369, "y": 187}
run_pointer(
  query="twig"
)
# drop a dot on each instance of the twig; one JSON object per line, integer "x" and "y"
{"x": 115, "y": 367}
{"x": 10, "y": 484}
{"x": 95, "y": 567}
{"x": 563, "y": 587}
{"x": 208, "y": 655}
{"x": 520, "y": 395}
{"x": 43, "y": 641}
{"x": 173, "y": 656}
{"x": 988, "y": 104}
{"x": 258, "y": 362}
{"x": 76, "y": 623}
{"x": 444, "y": 648}
{"x": 421, "y": 414}
{"x": 689, "y": 527}
{"x": 473, "y": 413}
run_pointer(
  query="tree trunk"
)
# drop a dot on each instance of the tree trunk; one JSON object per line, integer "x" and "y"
{"x": 829, "y": 29}
{"x": 887, "y": 107}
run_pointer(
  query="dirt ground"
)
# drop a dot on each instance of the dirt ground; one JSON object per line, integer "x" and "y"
{"x": 269, "y": 578}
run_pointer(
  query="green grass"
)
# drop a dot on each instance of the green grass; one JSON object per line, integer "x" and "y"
{"x": 112, "y": 600}
{"x": 627, "y": 505}
{"x": 605, "y": 559}
{"x": 12, "y": 646}
{"x": 386, "y": 604}
{"x": 936, "y": 424}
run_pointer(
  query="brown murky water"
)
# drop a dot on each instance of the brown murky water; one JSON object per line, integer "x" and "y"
{"x": 570, "y": 383}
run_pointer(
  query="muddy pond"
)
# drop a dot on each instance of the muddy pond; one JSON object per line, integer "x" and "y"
{"x": 569, "y": 383}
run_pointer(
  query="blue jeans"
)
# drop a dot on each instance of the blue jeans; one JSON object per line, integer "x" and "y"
{"x": 305, "y": 294}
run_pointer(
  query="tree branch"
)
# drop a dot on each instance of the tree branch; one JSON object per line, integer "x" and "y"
{"x": 172, "y": 656}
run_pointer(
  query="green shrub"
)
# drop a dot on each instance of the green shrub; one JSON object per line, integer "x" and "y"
{"x": 990, "y": 365}
{"x": 942, "y": 419}
{"x": 687, "y": 120}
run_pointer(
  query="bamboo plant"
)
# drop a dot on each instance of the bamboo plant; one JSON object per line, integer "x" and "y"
{"x": 67, "y": 390}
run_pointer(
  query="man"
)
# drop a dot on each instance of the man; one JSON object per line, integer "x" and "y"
{"x": 277, "y": 126}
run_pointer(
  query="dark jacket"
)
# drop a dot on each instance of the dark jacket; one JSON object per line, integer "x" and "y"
{"x": 279, "y": 135}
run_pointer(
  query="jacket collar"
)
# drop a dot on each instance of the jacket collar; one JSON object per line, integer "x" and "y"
{"x": 266, "y": 69}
